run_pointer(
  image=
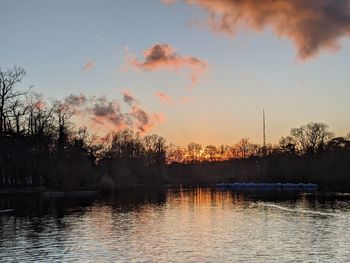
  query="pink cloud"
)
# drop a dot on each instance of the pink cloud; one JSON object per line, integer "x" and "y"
{"x": 104, "y": 115}
{"x": 164, "y": 56}
{"x": 312, "y": 25}
{"x": 167, "y": 99}
{"x": 168, "y": 2}
{"x": 89, "y": 65}
{"x": 163, "y": 97}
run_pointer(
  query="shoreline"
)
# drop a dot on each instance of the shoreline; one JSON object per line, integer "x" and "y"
{"x": 47, "y": 192}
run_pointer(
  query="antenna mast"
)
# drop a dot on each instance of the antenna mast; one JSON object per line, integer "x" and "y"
{"x": 264, "y": 134}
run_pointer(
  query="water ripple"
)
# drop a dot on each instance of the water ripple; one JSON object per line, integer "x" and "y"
{"x": 196, "y": 225}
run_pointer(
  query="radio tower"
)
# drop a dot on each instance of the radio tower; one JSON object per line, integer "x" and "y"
{"x": 264, "y": 135}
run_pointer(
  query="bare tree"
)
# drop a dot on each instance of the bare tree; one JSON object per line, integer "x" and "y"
{"x": 174, "y": 154}
{"x": 312, "y": 137}
{"x": 194, "y": 151}
{"x": 62, "y": 113}
{"x": 210, "y": 152}
{"x": 8, "y": 82}
{"x": 18, "y": 109}
{"x": 243, "y": 147}
{"x": 155, "y": 149}
{"x": 287, "y": 145}
{"x": 347, "y": 136}
{"x": 40, "y": 116}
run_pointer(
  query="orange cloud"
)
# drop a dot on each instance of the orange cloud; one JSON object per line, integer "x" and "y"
{"x": 167, "y": 99}
{"x": 143, "y": 120}
{"x": 163, "y": 97}
{"x": 312, "y": 25}
{"x": 89, "y": 65}
{"x": 164, "y": 56}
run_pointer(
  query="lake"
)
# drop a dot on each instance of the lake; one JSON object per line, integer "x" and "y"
{"x": 178, "y": 225}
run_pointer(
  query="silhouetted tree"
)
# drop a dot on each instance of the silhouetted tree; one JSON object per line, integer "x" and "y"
{"x": 210, "y": 152}
{"x": 245, "y": 149}
{"x": 155, "y": 150}
{"x": 194, "y": 151}
{"x": 338, "y": 144}
{"x": 287, "y": 145}
{"x": 311, "y": 138}
{"x": 9, "y": 96}
{"x": 174, "y": 154}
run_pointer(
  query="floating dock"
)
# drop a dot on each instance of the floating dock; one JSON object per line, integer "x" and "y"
{"x": 7, "y": 211}
{"x": 308, "y": 186}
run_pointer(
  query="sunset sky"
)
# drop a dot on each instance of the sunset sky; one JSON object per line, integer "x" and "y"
{"x": 198, "y": 70}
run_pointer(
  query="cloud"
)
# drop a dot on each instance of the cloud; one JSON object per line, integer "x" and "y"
{"x": 168, "y": 2}
{"x": 164, "y": 56}
{"x": 143, "y": 119}
{"x": 107, "y": 112}
{"x": 75, "y": 100}
{"x": 167, "y": 99}
{"x": 103, "y": 115}
{"x": 128, "y": 98}
{"x": 89, "y": 65}
{"x": 163, "y": 97}
{"x": 312, "y": 25}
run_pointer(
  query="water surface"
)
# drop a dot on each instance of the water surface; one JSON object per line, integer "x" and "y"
{"x": 178, "y": 225}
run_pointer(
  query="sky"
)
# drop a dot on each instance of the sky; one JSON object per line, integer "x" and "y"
{"x": 194, "y": 71}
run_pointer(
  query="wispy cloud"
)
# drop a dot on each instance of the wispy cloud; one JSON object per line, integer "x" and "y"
{"x": 312, "y": 25}
{"x": 168, "y": 100}
{"x": 168, "y": 2}
{"x": 163, "y": 97}
{"x": 89, "y": 65}
{"x": 164, "y": 56}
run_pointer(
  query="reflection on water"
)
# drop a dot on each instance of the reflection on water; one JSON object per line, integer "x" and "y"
{"x": 179, "y": 225}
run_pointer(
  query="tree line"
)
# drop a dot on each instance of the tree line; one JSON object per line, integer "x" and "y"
{"x": 310, "y": 153}
{"x": 40, "y": 146}
{"x": 313, "y": 138}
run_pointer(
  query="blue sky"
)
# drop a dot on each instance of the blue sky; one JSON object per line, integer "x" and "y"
{"x": 53, "y": 40}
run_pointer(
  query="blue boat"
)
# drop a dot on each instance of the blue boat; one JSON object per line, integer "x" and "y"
{"x": 308, "y": 186}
